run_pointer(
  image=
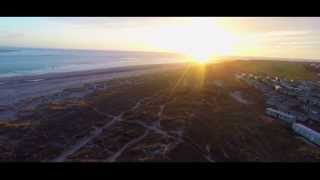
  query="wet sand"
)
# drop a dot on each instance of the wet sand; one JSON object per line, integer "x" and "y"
{"x": 14, "y": 89}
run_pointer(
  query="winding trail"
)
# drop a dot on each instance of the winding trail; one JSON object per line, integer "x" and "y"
{"x": 114, "y": 157}
{"x": 237, "y": 96}
{"x": 205, "y": 153}
{"x": 160, "y": 113}
{"x": 74, "y": 148}
{"x": 158, "y": 123}
{"x": 81, "y": 143}
{"x": 155, "y": 127}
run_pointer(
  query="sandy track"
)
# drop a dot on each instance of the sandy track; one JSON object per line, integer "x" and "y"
{"x": 237, "y": 96}
{"x": 81, "y": 143}
{"x": 74, "y": 148}
{"x": 114, "y": 157}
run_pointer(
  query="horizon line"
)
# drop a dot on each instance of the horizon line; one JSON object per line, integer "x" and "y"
{"x": 170, "y": 52}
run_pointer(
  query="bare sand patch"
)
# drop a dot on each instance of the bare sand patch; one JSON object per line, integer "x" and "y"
{"x": 267, "y": 119}
{"x": 218, "y": 83}
{"x": 237, "y": 96}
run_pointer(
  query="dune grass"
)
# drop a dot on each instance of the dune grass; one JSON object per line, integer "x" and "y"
{"x": 283, "y": 69}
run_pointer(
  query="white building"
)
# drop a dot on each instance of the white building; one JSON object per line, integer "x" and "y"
{"x": 306, "y": 132}
{"x": 288, "y": 118}
{"x": 239, "y": 76}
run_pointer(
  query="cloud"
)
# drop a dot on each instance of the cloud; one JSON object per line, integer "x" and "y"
{"x": 277, "y": 34}
{"x": 14, "y": 35}
{"x": 286, "y": 33}
{"x": 115, "y": 22}
{"x": 10, "y": 35}
{"x": 281, "y": 37}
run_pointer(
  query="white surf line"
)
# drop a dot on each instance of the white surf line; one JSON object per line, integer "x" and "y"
{"x": 34, "y": 80}
{"x": 114, "y": 157}
{"x": 74, "y": 148}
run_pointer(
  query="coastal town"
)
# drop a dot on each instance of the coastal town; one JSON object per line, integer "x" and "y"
{"x": 295, "y": 102}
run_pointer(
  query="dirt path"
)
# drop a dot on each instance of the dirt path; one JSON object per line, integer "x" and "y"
{"x": 218, "y": 83}
{"x": 155, "y": 127}
{"x": 160, "y": 115}
{"x": 237, "y": 96}
{"x": 74, "y": 148}
{"x": 130, "y": 143}
{"x": 205, "y": 153}
{"x": 160, "y": 112}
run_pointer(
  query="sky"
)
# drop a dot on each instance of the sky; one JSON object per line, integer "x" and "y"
{"x": 200, "y": 37}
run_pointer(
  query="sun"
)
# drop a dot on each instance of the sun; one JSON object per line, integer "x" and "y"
{"x": 200, "y": 39}
{"x": 203, "y": 56}
{"x": 201, "y": 61}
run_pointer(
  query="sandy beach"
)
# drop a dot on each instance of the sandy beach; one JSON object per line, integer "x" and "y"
{"x": 16, "y": 89}
{"x": 13, "y": 89}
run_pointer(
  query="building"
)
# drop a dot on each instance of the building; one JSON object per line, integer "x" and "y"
{"x": 239, "y": 76}
{"x": 272, "y": 102}
{"x": 277, "y": 87}
{"x": 288, "y": 118}
{"x": 289, "y": 92}
{"x": 306, "y": 132}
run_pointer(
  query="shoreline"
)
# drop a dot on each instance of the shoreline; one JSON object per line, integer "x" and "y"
{"x": 17, "y": 88}
{"x": 90, "y": 71}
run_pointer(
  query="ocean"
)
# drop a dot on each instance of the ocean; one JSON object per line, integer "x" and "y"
{"x": 31, "y": 61}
